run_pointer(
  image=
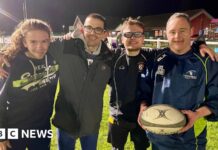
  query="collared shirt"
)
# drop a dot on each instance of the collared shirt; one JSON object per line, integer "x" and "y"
{"x": 91, "y": 55}
{"x": 97, "y": 52}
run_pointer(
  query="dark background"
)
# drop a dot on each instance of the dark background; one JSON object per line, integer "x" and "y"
{"x": 63, "y": 12}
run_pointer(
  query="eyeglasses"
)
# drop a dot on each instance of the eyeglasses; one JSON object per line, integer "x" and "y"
{"x": 133, "y": 34}
{"x": 97, "y": 30}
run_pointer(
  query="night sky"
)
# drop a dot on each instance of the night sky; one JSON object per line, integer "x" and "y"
{"x": 63, "y": 12}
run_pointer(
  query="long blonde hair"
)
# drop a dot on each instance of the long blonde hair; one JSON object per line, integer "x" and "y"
{"x": 19, "y": 34}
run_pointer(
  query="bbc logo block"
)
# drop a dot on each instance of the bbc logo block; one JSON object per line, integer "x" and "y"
{"x": 2, "y": 134}
{"x": 12, "y": 133}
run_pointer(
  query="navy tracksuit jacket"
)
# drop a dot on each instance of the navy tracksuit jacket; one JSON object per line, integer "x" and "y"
{"x": 185, "y": 82}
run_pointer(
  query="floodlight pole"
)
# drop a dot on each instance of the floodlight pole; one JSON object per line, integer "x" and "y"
{"x": 24, "y": 10}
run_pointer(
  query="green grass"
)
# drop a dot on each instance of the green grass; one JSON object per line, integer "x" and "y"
{"x": 102, "y": 139}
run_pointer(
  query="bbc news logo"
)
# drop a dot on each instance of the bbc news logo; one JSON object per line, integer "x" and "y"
{"x": 14, "y": 133}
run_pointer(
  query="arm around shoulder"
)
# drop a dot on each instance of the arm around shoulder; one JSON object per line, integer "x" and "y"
{"x": 211, "y": 94}
{"x": 56, "y": 48}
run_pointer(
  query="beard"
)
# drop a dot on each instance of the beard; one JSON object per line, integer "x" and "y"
{"x": 133, "y": 49}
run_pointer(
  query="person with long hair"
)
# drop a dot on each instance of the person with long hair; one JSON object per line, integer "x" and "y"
{"x": 27, "y": 94}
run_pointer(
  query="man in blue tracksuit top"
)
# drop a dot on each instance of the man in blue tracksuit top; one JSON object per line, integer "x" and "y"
{"x": 186, "y": 81}
{"x": 128, "y": 63}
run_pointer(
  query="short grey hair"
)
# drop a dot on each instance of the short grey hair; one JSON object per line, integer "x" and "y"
{"x": 179, "y": 15}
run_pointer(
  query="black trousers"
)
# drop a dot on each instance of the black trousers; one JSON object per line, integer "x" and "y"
{"x": 31, "y": 144}
{"x": 118, "y": 133}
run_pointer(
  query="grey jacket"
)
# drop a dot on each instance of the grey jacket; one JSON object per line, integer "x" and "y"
{"x": 80, "y": 100}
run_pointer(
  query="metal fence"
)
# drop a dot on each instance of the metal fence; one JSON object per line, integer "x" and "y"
{"x": 160, "y": 43}
{"x": 149, "y": 43}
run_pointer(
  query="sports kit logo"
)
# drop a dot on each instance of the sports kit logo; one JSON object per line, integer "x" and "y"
{"x": 162, "y": 114}
{"x": 141, "y": 66}
{"x": 122, "y": 67}
{"x": 160, "y": 70}
{"x": 161, "y": 57}
{"x": 191, "y": 75}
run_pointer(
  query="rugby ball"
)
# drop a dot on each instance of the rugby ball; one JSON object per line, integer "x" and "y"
{"x": 162, "y": 119}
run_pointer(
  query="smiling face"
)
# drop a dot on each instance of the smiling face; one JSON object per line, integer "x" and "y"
{"x": 133, "y": 42}
{"x": 91, "y": 26}
{"x": 178, "y": 32}
{"x": 37, "y": 43}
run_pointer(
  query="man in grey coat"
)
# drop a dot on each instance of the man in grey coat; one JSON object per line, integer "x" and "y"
{"x": 84, "y": 73}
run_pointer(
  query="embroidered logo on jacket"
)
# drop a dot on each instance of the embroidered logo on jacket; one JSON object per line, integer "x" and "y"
{"x": 122, "y": 67}
{"x": 140, "y": 66}
{"x": 160, "y": 70}
{"x": 191, "y": 74}
{"x": 89, "y": 61}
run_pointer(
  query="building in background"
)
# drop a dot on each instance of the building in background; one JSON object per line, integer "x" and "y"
{"x": 155, "y": 24}
{"x": 211, "y": 32}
